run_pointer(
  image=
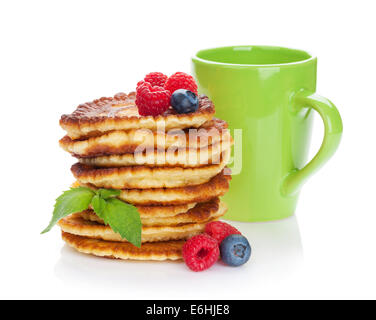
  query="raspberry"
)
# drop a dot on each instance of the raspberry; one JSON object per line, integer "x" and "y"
{"x": 181, "y": 80}
{"x": 151, "y": 101}
{"x": 220, "y": 230}
{"x": 200, "y": 252}
{"x": 156, "y": 79}
{"x": 140, "y": 83}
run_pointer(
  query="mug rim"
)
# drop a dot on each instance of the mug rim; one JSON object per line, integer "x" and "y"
{"x": 293, "y": 63}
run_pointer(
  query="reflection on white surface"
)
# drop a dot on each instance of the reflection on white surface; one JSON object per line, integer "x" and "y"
{"x": 276, "y": 245}
{"x": 276, "y": 255}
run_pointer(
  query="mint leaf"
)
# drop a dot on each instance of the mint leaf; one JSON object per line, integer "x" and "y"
{"x": 71, "y": 201}
{"x": 108, "y": 193}
{"x": 124, "y": 219}
{"x": 98, "y": 205}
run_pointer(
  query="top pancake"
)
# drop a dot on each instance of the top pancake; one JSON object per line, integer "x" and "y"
{"x": 120, "y": 113}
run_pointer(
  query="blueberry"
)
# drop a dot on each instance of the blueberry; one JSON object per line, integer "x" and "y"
{"x": 184, "y": 101}
{"x": 235, "y": 250}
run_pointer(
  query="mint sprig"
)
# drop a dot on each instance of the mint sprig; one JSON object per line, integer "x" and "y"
{"x": 71, "y": 201}
{"x": 122, "y": 217}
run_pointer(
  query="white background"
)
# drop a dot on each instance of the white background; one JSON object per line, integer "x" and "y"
{"x": 55, "y": 55}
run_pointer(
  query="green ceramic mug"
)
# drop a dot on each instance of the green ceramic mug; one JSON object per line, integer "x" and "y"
{"x": 268, "y": 93}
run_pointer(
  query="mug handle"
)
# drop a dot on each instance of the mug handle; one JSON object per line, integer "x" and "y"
{"x": 332, "y": 136}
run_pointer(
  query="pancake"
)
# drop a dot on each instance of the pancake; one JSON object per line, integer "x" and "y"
{"x": 142, "y": 140}
{"x": 161, "y": 211}
{"x": 215, "y": 187}
{"x": 120, "y": 113}
{"x": 75, "y": 224}
{"x": 188, "y": 157}
{"x": 147, "y": 212}
{"x": 150, "y": 217}
{"x": 143, "y": 177}
{"x": 160, "y": 251}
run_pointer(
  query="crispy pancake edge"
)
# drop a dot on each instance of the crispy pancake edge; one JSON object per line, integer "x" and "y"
{"x": 77, "y": 225}
{"x": 188, "y": 157}
{"x": 215, "y": 187}
{"x": 158, "y": 251}
{"x": 140, "y": 140}
{"x": 160, "y": 211}
{"x": 199, "y": 213}
{"x": 144, "y": 177}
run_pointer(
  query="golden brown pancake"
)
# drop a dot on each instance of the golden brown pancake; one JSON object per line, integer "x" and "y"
{"x": 215, "y": 187}
{"x": 144, "y": 140}
{"x": 150, "y": 216}
{"x": 162, "y": 211}
{"x": 160, "y": 251}
{"x": 143, "y": 177}
{"x": 120, "y": 113}
{"x": 75, "y": 224}
{"x": 147, "y": 212}
{"x": 188, "y": 157}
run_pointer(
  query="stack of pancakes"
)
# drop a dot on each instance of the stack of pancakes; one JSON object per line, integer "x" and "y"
{"x": 172, "y": 167}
